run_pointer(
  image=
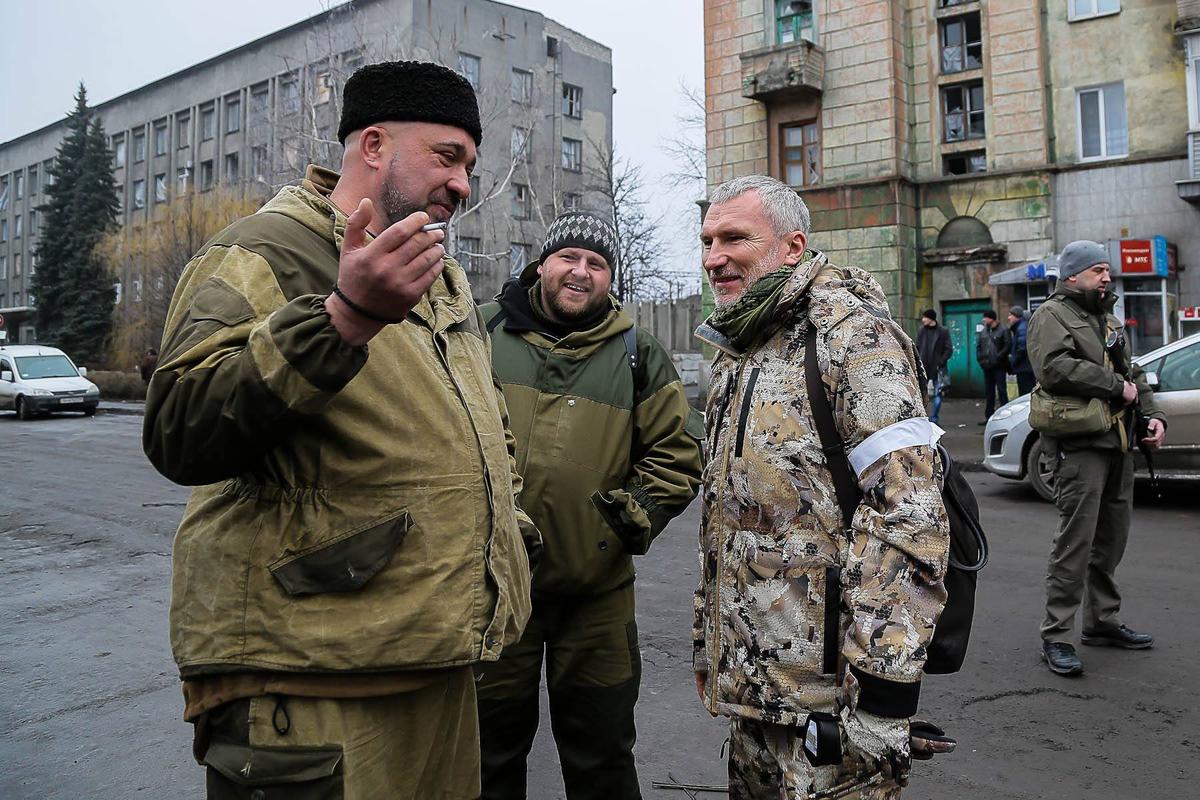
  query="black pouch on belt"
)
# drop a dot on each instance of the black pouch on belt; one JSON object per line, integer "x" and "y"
{"x": 822, "y": 739}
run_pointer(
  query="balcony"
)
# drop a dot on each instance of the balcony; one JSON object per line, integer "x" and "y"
{"x": 782, "y": 71}
{"x": 1189, "y": 188}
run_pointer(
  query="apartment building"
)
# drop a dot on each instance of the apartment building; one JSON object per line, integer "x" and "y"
{"x": 953, "y": 147}
{"x": 251, "y": 119}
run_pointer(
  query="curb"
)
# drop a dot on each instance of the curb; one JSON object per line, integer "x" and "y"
{"x": 122, "y": 412}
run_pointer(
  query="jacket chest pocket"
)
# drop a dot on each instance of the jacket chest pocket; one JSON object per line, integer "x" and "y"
{"x": 344, "y": 564}
{"x": 795, "y": 607}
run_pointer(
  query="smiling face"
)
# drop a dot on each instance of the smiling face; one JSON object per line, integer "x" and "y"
{"x": 428, "y": 168}
{"x": 741, "y": 246}
{"x": 575, "y": 283}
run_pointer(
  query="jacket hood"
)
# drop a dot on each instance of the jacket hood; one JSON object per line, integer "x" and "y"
{"x": 815, "y": 282}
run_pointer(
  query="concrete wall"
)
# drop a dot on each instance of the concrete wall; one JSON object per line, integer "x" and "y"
{"x": 1136, "y": 46}
{"x": 1131, "y": 201}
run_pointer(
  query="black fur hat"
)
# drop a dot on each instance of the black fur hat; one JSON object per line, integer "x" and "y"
{"x": 408, "y": 91}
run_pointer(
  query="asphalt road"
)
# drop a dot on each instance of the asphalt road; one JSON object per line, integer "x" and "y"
{"x": 91, "y": 706}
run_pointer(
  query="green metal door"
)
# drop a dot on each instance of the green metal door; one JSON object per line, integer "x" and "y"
{"x": 961, "y": 318}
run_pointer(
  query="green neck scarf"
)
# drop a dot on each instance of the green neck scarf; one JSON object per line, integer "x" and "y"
{"x": 744, "y": 319}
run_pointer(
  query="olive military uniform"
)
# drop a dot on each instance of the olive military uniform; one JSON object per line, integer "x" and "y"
{"x": 610, "y": 452}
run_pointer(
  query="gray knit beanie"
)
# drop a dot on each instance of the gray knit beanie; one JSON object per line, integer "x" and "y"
{"x": 1078, "y": 256}
{"x": 583, "y": 230}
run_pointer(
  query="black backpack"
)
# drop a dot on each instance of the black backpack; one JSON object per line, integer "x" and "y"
{"x": 968, "y": 543}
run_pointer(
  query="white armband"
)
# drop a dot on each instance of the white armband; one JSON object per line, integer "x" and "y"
{"x": 913, "y": 432}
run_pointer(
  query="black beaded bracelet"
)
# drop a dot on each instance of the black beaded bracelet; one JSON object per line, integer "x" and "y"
{"x": 357, "y": 309}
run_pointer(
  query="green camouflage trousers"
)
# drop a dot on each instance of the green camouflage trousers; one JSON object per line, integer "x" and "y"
{"x": 766, "y": 762}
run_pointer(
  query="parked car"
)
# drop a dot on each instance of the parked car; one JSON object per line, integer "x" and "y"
{"x": 37, "y": 380}
{"x": 1012, "y": 449}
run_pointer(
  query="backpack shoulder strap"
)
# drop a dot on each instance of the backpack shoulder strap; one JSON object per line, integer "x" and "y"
{"x": 495, "y": 321}
{"x": 630, "y": 337}
{"x": 832, "y": 445}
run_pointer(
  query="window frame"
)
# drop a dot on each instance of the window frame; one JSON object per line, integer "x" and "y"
{"x": 515, "y": 264}
{"x": 575, "y": 150}
{"x": 521, "y": 153}
{"x": 572, "y": 101}
{"x": 139, "y": 147}
{"x": 138, "y": 202}
{"x": 162, "y": 138}
{"x": 1101, "y": 118}
{"x": 465, "y": 58}
{"x": 967, "y": 111}
{"x": 183, "y": 131}
{"x": 969, "y": 155}
{"x": 208, "y": 177}
{"x": 208, "y": 123}
{"x": 232, "y": 175}
{"x": 520, "y": 206}
{"x": 160, "y": 183}
{"x": 965, "y": 48}
{"x": 469, "y": 248}
{"x": 1095, "y": 13}
{"x": 784, "y": 162}
{"x": 233, "y": 114}
{"x": 525, "y": 88}
{"x": 797, "y": 32}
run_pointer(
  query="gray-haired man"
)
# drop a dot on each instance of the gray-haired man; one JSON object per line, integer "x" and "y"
{"x": 795, "y": 613}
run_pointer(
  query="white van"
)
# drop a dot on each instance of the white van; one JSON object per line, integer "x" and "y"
{"x": 36, "y": 380}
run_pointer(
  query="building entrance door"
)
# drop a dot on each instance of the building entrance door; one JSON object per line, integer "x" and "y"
{"x": 962, "y": 317}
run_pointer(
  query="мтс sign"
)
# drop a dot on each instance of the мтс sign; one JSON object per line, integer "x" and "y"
{"x": 1139, "y": 257}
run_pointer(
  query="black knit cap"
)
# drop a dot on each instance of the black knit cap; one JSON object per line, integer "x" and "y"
{"x": 408, "y": 91}
{"x": 585, "y": 230}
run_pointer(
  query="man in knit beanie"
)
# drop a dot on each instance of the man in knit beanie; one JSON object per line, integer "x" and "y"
{"x": 610, "y": 453}
{"x": 1080, "y": 356}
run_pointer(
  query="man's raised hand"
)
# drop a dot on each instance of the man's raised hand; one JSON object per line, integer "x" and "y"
{"x": 386, "y": 277}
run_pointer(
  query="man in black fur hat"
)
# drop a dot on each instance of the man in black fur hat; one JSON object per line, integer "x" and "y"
{"x": 354, "y": 545}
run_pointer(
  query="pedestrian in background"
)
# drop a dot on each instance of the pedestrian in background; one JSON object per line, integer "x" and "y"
{"x": 609, "y": 450}
{"x": 992, "y": 346}
{"x": 1084, "y": 368}
{"x": 147, "y": 363}
{"x": 935, "y": 348}
{"x": 1018, "y": 328}
{"x": 354, "y": 544}
{"x": 795, "y": 614}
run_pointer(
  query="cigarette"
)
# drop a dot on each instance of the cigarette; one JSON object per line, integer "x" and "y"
{"x": 434, "y": 226}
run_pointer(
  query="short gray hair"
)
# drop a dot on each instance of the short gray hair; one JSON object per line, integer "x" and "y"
{"x": 783, "y": 207}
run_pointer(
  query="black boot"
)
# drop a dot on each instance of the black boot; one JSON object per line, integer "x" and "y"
{"x": 1061, "y": 658}
{"x": 1117, "y": 637}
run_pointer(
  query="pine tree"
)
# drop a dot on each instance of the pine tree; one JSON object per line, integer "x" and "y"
{"x": 72, "y": 287}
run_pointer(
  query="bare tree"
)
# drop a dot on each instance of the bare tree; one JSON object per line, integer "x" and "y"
{"x": 686, "y": 147}
{"x": 147, "y": 260}
{"x": 640, "y": 247}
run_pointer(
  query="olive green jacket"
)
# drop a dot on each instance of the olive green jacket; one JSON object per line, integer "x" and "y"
{"x": 1066, "y": 350}
{"x": 609, "y": 454}
{"x": 355, "y": 506}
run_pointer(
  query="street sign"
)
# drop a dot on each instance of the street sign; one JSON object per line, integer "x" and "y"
{"x": 1, "y": 320}
{"x": 1190, "y": 313}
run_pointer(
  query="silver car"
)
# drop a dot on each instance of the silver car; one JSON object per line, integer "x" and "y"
{"x": 1011, "y": 448}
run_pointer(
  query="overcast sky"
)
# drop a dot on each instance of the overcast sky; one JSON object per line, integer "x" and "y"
{"x": 48, "y": 46}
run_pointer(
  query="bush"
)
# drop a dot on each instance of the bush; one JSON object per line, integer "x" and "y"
{"x": 118, "y": 385}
